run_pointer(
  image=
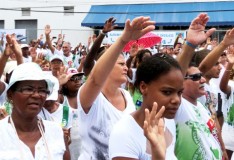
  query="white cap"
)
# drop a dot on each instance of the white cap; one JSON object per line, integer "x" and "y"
{"x": 54, "y": 44}
{"x": 74, "y": 71}
{"x": 24, "y": 46}
{"x": 29, "y": 71}
{"x": 9, "y": 67}
{"x": 54, "y": 95}
{"x": 56, "y": 56}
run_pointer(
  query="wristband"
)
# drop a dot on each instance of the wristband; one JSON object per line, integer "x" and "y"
{"x": 105, "y": 34}
{"x": 190, "y": 44}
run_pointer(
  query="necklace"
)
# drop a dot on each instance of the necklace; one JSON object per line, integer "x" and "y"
{"x": 39, "y": 124}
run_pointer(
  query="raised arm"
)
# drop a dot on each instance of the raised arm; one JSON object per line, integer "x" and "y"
{"x": 224, "y": 87}
{"x": 48, "y": 40}
{"x": 133, "y": 30}
{"x": 11, "y": 47}
{"x": 15, "y": 48}
{"x": 212, "y": 58}
{"x": 89, "y": 61}
{"x": 196, "y": 35}
{"x": 2, "y": 40}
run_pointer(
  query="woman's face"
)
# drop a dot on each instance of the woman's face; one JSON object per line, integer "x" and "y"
{"x": 74, "y": 83}
{"x": 119, "y": 71}
{"x": 166, "y": 91}
{"x": 28, "y": 97}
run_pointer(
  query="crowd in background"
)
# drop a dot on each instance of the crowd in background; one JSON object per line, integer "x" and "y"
{"x": 162, "y": 102}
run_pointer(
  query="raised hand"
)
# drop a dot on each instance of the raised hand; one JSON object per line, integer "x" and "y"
{"x": 109, "y": 25}
{"x": 40, "y": 56}
{"x": 33, "y": 53}
{"x": 59, "y": 36}
{"x": 40, "y": 37}
{"x": 62, "y": 76}
{"x": 228, "y": 39}
{"x": 154, "y": 131}
{"x": 196, "y": 33}
{"x": 230, "y": 54}
{"x": 12, "y": 46}
{"x": 47, "y": 29}
{"x": 137, "y": 28}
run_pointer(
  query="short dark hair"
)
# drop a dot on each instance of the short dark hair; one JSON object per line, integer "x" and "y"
{"x": 152, "y": 68}
{"x": 199, "y": 56}
{"x": 140, "y": 55}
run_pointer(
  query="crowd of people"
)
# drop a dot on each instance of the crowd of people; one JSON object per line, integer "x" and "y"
{"x": 97, "y": 102}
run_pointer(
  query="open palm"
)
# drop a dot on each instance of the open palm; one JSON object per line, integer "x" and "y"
{"x": 154, "y": 131}
{"x": 196, "y": 33}
{"x": 230, "y": 54}
{"x": 137, "y": 28}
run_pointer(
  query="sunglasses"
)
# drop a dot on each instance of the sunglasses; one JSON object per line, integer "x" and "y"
{"x": 223, "y": 55}
{"x": 76, "y": 78}
{"x": 194, "y": 77}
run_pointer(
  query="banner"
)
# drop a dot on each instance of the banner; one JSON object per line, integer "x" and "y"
{"x": 168, "y": 37}
{"x": 20, "y": 33}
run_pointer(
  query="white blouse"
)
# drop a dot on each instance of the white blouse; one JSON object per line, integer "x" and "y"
{"x": 10, "y": 143}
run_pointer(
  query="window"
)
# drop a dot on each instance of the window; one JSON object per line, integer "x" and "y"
{"x": 26, "y": 11}
{"x": 68, "y": 10}
{"x": 1, "y": 25}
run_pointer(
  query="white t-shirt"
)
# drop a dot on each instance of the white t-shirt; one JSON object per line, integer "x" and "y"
{"x": 95, "y": 127}
{"x": 72, "y": 61}
{"x": 211, "y": 95}
{"x": 11, "y": 146}
{"x": 228, "y": 126}
{"x": 127, "y": 140}
{"x": 196, "y": 133}
{"x": 28, "y": 59}
{"x": 75, "y": 146}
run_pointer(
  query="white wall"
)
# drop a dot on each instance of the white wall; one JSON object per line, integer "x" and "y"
{"x": 68, "y": 25}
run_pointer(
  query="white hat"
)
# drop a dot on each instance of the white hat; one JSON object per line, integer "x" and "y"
{"x": 29, "y": 71}
{"x": 9, "y": 67}
{"x": 54, "y": 44}
{"x": 54, "y": 94}
{"x": 24, "y": 46}
{"x": 56, "y": 56}
{"x": 74, "y": 71}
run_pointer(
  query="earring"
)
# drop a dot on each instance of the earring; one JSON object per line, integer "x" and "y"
{"x": 10, "y": 101}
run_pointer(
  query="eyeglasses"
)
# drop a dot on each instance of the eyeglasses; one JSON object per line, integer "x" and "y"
{"x": 76, "y": 78}
{"x": 30, "y": 91}
{"x": 194, "y": 77}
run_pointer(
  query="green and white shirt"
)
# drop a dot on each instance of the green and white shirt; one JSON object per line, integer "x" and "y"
{"x": 196, "y": 134}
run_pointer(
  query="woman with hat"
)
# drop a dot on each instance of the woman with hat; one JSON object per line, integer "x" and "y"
{"x": 23, "y": 133}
